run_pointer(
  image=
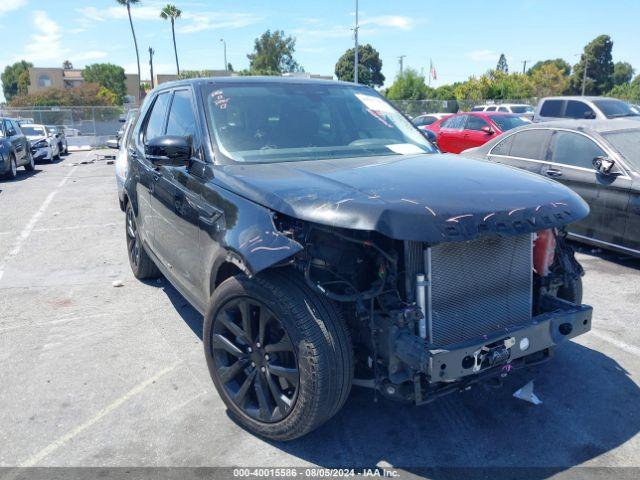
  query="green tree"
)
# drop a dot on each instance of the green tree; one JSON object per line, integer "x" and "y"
{"x": 171, "y": 12}
{"x": 549, "y": 80}
{"x": 229, "y": 67}
{"x": 559, "y": 63}
{"x": 369, "y": 66}
{"x": 273, "y": 53}
{"x": 90, "y": 94}
{"x": 502, "y": 64}
{"x": 408, "y": 86}
{"x": 599, "y": 63}
{"x": 67, "y": 65}
{"x": 128, "y": 3}
{"x": 109, "y": 76}
{"x": 622, "y": 73}
{"x": 15, "y": 79}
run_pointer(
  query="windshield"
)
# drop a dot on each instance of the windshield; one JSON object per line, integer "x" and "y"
{"x": 627, "y": 142}
{"x": 274, "y": 122}
{"x": 507, "y": 122}
{"x": 615, "y": 108}
{"x": 522, "y": 109}
{"x": 33, "y": 131}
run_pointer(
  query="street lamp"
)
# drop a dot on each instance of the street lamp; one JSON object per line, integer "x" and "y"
{"x": 226, "y": 65}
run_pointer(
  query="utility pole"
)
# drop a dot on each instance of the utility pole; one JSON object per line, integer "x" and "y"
{"x": 584, "y": 75}
{"x": 524, "y": 66}
{"x": 400, "y": 61}
{"x": 224, "y": 45}
{"x": 151, "y": 52}
{"x": 355, "y": 58}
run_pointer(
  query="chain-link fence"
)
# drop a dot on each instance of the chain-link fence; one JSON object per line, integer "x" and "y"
{"x": 84, "y": 126}
{"x": 420, "y": 107}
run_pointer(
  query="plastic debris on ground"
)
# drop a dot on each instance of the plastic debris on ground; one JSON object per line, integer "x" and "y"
{"x": 117, "y": 283}
{"x": 526, "y": 393}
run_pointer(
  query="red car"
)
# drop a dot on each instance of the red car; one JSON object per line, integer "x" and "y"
{"x": 472, "y": 129}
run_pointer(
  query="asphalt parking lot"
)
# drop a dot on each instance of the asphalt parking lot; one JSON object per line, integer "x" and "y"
{"x": 97, "y": 375}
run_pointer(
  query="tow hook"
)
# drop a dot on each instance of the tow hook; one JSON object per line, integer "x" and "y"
{"x": 493, "y": 354}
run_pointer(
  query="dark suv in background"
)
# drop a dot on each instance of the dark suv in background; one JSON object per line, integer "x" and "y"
{"x": 15, "y": 150}
{"x": 323, "y": 239}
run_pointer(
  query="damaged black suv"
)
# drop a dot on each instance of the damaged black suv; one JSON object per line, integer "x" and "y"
{"x": 328, "y": 245}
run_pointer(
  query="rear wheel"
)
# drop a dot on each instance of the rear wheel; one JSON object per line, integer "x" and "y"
{"x": 30, "y": 167}
{"x": 279, "y": 355}
{"x": 141, "y": 264}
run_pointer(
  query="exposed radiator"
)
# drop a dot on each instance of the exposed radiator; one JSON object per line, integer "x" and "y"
{"x": 477, "y": 288}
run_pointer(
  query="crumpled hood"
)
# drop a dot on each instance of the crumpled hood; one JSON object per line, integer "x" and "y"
{"x": 430, "y": 198}
{"x": 35, "y": 138}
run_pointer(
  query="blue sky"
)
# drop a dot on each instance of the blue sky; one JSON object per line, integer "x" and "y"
{"x": 463, "y": 37}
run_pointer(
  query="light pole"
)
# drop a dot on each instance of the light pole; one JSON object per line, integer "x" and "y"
{"x": 355, "y": 61}
{"x": 151, "y": 52}
{"x": 401, "y": 61}
{"x": 584, "y": 75}
{"x": 224, "y": 45}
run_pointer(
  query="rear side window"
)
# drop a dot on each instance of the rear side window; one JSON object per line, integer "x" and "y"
{"x": 574, "y": 149}
{"x": 551, "y": 108}
{"x": 530, "y": 144}
{"x": 503, "y": 148}
{"x": 155, "y": 123}
{"x": 490, "y": 109}
{"x": 182, "y": 120}
{"x": 577, "y": 109}
{"x": 455, "y": 123}
{"x": 503, "y": 109}
{"x": 477, "y": 109}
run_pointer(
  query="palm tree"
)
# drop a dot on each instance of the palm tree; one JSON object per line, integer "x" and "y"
{"x": 172, "y": 12}
{"x": 128, "y": 3}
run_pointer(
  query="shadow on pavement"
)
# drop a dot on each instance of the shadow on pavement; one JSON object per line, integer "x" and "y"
{"x": 22, "y": 175}
{"x": 590, "y": 407}
{"x": 608, "y": 255}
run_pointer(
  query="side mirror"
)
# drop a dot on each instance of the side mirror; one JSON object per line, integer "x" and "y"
{"x": 603, "y": 165}
{"x": 168, "y": 151}
{"x": 488, "y": 130}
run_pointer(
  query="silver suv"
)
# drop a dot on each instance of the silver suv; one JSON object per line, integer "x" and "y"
{"x": 589, "y": 108}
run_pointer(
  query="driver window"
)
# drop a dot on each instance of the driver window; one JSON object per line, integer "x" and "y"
{"x": 156, "y": 119}
{"x": 574, "y": 149}
{"x": 475, "y": 123}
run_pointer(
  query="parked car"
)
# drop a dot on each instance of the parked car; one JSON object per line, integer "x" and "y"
{"x": 599, "y": 160}
{"x": 429, "y": 118}
{"x": 319, "y": 234}
{"x": 44, "y": 145}
{"x": 122, "y": 161}
{"x": 466, "y": 130}
{"x": 582, "y": 108}
{"x": 59, "y": 134}
{"x": 519, "y": 108}
{"x": 14, "y": 149}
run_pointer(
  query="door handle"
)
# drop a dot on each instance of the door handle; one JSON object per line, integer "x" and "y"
{"x": 553, "y": 172}
{"x": 156, "y": 177}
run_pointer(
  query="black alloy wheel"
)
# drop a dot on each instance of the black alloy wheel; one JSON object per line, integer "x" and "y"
{"x": 133, "y": 245}
{"x": 255, "y": 360}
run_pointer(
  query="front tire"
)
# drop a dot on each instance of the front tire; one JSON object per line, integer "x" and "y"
{"x": 141, "y": 264}
{"x": 13, "y": 168}
{"x": 279, "y": 354}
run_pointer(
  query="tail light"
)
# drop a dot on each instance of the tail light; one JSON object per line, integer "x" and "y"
{"x": 544, "y": 249}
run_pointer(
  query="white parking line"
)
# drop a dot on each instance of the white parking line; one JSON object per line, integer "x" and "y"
{"x": 26, "y": 231}
{"x": 102, "y": 413}
{"x": 625, "y": 347}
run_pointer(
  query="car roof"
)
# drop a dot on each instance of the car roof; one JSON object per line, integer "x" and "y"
{"x": 579, "y": 97}
{"x": 598, "y": 126}
{"x": 256, "y": 80}
{"x": 33, "y": 125}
